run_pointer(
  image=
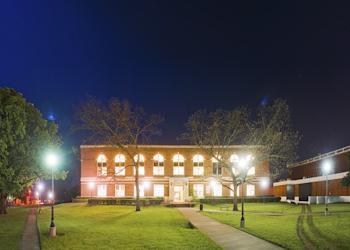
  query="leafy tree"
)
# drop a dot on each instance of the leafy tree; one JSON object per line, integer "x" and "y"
{"x": 346, "y": 179}
{"x": 266, "y": 134}
{"x": 24, "y": 137}
{"x": 120, "y": 125}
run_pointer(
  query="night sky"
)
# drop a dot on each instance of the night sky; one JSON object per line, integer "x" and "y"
{"x": 175, "y": 58}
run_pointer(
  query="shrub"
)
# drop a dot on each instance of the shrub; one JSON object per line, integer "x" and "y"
{"x": 124, "y": 201}
{"x": 222, "y": 200}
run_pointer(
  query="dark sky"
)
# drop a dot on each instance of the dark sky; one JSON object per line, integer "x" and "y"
{"x": 176, "y": 57}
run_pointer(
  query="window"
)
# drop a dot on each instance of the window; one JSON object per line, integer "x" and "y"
{"x": 198, "y": 190}
{"x": 217, "y": 189}
{"x": 101, "y": 165}
{"x": 198, "y": 165}
{"x": 141, "y": 160}
{"x": 217, "y": 168}
{"x": 101, "y": 190}
{"x": 238, "y": 191}
{"x": 119, "y": 190}
{"x": 251, "y": 171}
{"x": 158, "y": 190}
{"x": 141, "y": 170}
{"x": 141, "y": 189}
{"x": 119, "y": 168}
{"x": 158, "y": 165}
{"x": 250, "y": 190}
{"x": 234, "y": 160}
{"x": 178, "y": 161}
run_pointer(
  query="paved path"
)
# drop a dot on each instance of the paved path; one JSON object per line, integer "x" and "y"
{"x": 30, "y": 237}
{"x": 224, "y": 235}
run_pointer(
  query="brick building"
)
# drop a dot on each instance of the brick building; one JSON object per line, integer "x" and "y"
{"x": 307, "y": 179}
{"x": 179, "y": 173}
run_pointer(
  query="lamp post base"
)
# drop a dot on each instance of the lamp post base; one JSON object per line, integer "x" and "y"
{"x": 242, "y": 222}
{"x": 52, "y": 231}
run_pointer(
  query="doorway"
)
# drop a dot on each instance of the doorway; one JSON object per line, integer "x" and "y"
{"x": 179, "y": 193}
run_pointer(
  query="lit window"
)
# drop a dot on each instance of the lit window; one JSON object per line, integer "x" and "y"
{"x": 251, "y": 171}
{"x": 101, "y": 190}
{"x": 141, "y": 190}
{"x": 198, "y": 190}
{"x": 250, "y": 190}
{"x": 238, "y": 192}
{"x": 198, "y": 165}
{"x": 140, "y": 158}
{"x": 141, "y": 161}
{"x": 158, "y": 166}
{"x": 101, "y": 165}
{"x": 119, "y": 190}
{"x": 217, "y": 189}
{"x": 141, "y": 170}
{"x": 178, "y": 161}
{"x": 234, "y": 158}
{"x": 158, "y": 190}
{"x": 119, "y": 164}
{"x": 217, "y": 168}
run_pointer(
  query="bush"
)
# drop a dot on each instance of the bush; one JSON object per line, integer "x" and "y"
{"x": 124, "y": 201}
{"x": 222, "y": 200}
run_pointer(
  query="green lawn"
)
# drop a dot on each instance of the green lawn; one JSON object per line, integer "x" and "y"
{"x": 80, "y": 226}
{"x": 280, "y": 226}
{"x": 11, "y": 227}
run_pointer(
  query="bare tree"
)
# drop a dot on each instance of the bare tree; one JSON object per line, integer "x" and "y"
{"x": 121, "y": 125}
{"x": 272, "y": 129}
{"x": 216, "y": 133}
{"x": 267, "y": 135}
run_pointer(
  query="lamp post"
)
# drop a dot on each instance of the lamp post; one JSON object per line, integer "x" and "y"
{"x": 326, "y": 169}
{"x": 51, "y": 161}
{"x": 243, "y": 165}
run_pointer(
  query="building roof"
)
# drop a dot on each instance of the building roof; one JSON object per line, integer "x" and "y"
{"x": 321, "y": 157}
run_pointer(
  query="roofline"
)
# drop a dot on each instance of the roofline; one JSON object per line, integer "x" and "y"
{"x": 163, "y": 146}
{"x": 321, "y": 157}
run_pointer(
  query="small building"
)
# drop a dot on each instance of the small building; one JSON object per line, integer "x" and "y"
{"x": 177, "y": 173}
{"x": 308, "y": 180}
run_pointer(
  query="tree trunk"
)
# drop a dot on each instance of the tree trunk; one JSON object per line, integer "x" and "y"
{"x": 138, "y": 208}
{"x": 3, "y": 203}
{"x": 235, "y": 202}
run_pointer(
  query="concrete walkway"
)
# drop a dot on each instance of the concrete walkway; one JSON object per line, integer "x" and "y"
{"x": 30, "y": 237}
{"x": 224, "y": 235}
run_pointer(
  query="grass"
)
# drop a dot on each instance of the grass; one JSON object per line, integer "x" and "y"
{"x": 80, "y": 226}
{"x": 11, "y": 227}
{"x": 265, "y": 220}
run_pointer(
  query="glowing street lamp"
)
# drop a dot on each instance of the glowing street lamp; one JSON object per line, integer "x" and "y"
{"x": 327, "y": 167}
{"x": 146, "y": 184}
{"x": 265, "y": 183}
{"x": 243, "y": 165}
{"x": 52, "y": 160}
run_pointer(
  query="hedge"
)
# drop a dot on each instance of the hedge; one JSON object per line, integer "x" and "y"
{"x": 125, "y": 201}
{"x": 222, "y": 200}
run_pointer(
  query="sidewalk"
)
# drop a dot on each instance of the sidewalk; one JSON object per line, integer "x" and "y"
{"x": 224, "y": 235}
{"x": 30, "y": 237}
